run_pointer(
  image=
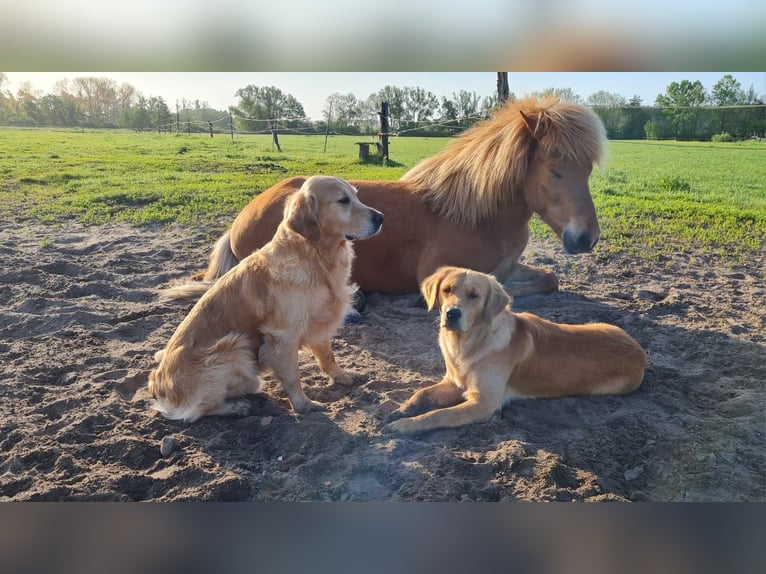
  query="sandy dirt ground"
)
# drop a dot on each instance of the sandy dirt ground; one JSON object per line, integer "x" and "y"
{"x": 79, "y": 323}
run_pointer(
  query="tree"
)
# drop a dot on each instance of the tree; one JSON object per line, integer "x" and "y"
{"x": 346, "y": 112}
{"x": 680, "y": 100}
{"x": 562, "y": 94}
{"x": 447, "y": 110}
{"x": 736, "y": 118}
{"x": 267, "y": 104}
{"x": 467, "y": 105}
{"x": 419, "y": 104}
{"x": 610, "y": 108}
{"x": 637, "y": 119}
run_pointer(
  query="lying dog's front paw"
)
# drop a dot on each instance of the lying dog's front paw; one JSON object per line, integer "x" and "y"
{"x": 400, "y": 426}
{"x": 394, "y": 416}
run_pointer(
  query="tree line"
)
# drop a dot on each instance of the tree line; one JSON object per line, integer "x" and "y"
{"x": 685, "y": 111}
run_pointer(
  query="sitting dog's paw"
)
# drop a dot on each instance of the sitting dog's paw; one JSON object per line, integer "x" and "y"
{"x": 345, "y": 378}
{"x": 308, "y": 405}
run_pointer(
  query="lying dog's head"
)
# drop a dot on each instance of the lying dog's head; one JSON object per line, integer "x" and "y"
{"x": 328, "y": 207}
{"x": 464, "y": 297}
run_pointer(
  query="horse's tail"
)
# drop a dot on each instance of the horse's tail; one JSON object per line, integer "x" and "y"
{"x": 222, "y": 259}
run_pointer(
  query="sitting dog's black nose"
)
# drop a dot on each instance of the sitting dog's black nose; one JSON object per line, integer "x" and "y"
{"x": 453, "y": 314}
{"x": 377, "y": 218}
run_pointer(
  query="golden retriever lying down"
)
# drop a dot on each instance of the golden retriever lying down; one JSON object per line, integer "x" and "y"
{"x": 494, "y": 355}
{"x": 291, "y": 293}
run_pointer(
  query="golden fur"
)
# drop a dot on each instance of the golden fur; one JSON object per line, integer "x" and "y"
{"x": 294, "y": 292}
{"x": 492, "y": 158}
{"x": 468, "y": 206}
{"x": 493, "y": 355}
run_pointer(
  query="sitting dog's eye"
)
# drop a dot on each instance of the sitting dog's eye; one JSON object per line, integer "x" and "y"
{"x": 448, "y": 290}
{"x": 473, "y": 295}
{"x": 344, "y": 199}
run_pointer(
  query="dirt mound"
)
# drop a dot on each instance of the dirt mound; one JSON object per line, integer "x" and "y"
{"x": 79, "y": 323}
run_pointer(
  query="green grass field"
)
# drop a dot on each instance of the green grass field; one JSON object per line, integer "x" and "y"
{"x": 653, "y": 198}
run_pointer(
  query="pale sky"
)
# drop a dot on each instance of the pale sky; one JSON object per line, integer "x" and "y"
{"x": 312, "y": 88}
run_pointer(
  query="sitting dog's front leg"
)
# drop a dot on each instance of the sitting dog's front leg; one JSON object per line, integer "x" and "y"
{"x": 281, "y": 357}
{"x": 326, "y": 358}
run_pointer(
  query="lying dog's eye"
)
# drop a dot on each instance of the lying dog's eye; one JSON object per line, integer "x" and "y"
{"x": 473, "y": 295}
{"x": 447, "y": 290}
{"x": 344, "y": 199}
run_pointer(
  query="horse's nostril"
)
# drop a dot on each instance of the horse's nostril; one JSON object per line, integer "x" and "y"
{"x": 578, "y": 243}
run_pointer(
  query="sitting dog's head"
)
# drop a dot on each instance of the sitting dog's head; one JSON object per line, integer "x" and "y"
{"x": 328, "y": 207}
{"x": 464, "y": 297}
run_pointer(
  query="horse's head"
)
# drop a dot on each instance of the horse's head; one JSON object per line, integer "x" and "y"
{"x": 557, "y": 190}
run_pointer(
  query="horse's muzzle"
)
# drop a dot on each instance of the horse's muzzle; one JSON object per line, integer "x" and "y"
{"x": 581, "y": 242}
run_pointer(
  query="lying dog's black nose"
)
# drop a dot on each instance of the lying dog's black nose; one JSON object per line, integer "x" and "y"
{"x": 453, "y": 315}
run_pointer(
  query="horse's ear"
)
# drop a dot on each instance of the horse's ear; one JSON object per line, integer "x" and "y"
{"x": 431, "y": 285}
{"x": 497, "y": 300}
{"x": 302, "y": 215}
{"x": 530, "y": 122}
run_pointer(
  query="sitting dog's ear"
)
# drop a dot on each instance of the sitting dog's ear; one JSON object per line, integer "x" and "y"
{"x": 431, "y": 286}
{"x": 497, "y": 300}
{"x": 302, "y": 215}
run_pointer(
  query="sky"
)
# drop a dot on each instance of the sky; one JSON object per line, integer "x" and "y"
{"x": 311, "y": 89}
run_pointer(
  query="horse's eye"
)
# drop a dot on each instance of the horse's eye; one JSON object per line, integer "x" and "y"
{"x": 344, "y": 199}
{"x": 555, "y": 174}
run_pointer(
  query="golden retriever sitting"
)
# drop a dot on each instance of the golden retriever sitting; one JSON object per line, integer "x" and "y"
{"x": 494, "y": 355}
{"x": 291, "y": 293}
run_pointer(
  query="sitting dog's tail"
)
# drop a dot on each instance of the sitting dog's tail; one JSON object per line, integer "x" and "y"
{"x": 184, "y": 291}
{"x": 222, "y": 259}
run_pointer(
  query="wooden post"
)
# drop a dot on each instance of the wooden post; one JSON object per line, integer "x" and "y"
{"x": 231, "y": 127}
{"x": 327, "y": 127}
{"x": 503, "y": 92}
{"x": 275, "y": 137}
{"x": 384, "y": 130}
{"x": 188, "y": 127}
{"x": 210, "y": 125}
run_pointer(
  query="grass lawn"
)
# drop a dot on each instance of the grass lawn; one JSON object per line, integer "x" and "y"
{"x": 653, "y": 198}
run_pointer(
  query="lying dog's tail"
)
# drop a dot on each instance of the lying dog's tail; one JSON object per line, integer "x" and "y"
{"x": 222, "y": 259}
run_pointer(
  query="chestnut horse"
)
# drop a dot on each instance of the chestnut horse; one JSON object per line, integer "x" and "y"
{"x": 467, "y": 206}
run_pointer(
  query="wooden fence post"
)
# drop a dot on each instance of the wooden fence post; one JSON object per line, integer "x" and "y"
{"x": 231, "y": 127}
{"x": 384, "y": 130}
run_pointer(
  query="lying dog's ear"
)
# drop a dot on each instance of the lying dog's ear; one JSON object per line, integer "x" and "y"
{"x": 302, "y": 215}
{"x": 497, "y": 300}
{"x": 431, "y": 286}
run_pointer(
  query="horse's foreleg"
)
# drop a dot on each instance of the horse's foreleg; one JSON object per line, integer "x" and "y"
{"x": 522, "y": 279}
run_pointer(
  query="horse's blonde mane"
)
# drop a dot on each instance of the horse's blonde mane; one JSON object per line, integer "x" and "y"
{"x": 487, "y": 164}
